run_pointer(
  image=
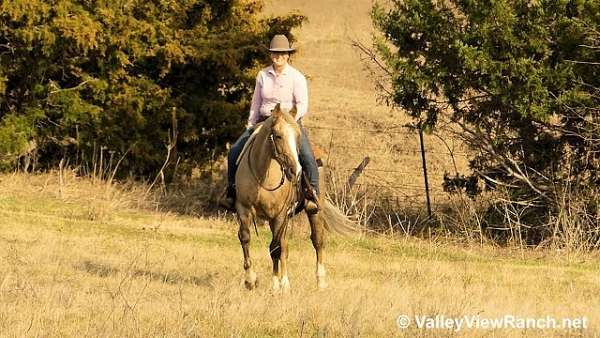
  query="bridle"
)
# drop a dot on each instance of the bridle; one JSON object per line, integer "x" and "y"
{"x": 289, "y": 205}
{"x": 278, "y": 157}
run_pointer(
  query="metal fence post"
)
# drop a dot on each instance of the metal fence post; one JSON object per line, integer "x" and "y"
{"x": 424, "y": 169}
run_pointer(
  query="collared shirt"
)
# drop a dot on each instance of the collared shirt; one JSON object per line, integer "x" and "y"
{"x": 287, "y": 88}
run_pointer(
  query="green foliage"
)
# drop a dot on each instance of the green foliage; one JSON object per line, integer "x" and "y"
{"x": 82, "y": 75}
{"x": 16, "y": 133}
{"x": 519, "y": 78}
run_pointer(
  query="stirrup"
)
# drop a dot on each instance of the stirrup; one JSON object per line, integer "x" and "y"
{"x": 311, "y": 206}
{"x": 228, "y": 203}
{"x": 227, "y": 200}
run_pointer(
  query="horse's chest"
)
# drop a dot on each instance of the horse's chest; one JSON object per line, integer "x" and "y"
{"x": 269, "y": 204}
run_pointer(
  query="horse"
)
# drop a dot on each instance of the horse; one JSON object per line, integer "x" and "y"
{"x": 268, "y": 186}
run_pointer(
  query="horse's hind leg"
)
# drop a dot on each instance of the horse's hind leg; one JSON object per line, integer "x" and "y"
{"x": 245, "y": 219}
{"x": 317, "y": 236}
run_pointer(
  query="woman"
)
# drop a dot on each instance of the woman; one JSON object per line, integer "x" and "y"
{"x": 279, "y": 83}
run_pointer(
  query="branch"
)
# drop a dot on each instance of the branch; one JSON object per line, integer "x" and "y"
{"x": 510, "y": 165}
{"x": 172, "y": 142}
{"x": 590, "y": 47}
{"x": 372, "y": 56}
{"x": 10, "y": 49}
{"x": 494, "y": 180}
{"x": 112, "y": 176}
{"x": 584, "y": 62}
{"x": 72, "y": 88}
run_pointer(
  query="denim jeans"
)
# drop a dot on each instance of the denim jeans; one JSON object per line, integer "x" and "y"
{"x": 234, "y": 153}
{"x": 307, "y": 160}
{"x": 306, "y": 156}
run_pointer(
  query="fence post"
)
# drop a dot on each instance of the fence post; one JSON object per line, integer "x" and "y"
{"x": 424, "y": 169}
{"x": 356, "y": 172}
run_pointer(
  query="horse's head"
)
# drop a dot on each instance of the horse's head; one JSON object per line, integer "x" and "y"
{"x": 285, "y": 138}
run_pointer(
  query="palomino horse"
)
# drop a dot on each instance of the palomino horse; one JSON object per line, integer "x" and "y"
{"x": 267, "y": 182}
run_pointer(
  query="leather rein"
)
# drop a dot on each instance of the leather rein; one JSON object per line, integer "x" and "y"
{"x": 276, "y": 156}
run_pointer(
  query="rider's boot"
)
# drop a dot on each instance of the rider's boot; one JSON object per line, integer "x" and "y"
{"x": 312, "y": 202}
{"x": 228, "y": 201}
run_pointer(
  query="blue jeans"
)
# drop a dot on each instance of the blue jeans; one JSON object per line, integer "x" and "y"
{"x": 234, "y": 153}
{"x": 306, "y": 156}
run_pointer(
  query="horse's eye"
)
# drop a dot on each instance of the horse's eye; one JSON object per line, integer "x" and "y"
{"x": 278, "y": 137}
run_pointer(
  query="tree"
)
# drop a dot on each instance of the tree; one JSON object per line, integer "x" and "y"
{"x": 518, "y": 79}
{"x": 84, "y": 78}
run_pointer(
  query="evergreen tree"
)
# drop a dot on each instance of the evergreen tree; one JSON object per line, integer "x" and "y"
{"x": 518, "y": 78}
{"x": 81, "y": 77}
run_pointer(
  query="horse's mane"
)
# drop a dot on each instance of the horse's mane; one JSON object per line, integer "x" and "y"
{"x": 288, "y": 118}
{"x": 284, "y": 114}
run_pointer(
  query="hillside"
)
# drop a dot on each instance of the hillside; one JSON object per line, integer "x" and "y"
{"x": 347, "y": 119}
{"x": 83, "y": 258}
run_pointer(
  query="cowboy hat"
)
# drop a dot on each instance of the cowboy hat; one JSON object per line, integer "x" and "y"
{"x": 280, "y": 43}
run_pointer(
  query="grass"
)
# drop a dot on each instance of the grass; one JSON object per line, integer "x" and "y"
{"x": 135, "y": 271}
{"x": 85, "y": 258}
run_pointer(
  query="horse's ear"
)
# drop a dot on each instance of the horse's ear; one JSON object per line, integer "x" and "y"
{"x": 294, "y": 111}
{"x": 276, "y": 112}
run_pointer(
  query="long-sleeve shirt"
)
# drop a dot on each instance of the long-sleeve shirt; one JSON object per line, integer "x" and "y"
{"x": 287, "y": 88}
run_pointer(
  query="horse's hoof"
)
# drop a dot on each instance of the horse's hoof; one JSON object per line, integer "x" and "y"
{"x": 251, "y": 285}
{"x": 285, "y": 284}
{"x": 321, "y": 276}
{"x": 275, "y": 284}
{"x": 251, "y": 282}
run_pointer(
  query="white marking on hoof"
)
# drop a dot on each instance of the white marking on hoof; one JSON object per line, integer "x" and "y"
{"x": 322, "y": 283}
{"x": 321, "y": 276}
{"x": 275, "y": 284}
{"x": 285, "y": 284}
{"x": 321, "y": 270}
{"x": 250, "y": 280}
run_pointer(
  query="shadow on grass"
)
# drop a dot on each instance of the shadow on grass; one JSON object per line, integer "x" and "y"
{"x": 104, "y": 270}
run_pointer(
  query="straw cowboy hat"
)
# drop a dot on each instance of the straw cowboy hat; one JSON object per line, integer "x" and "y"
{"x": 280, "y": 43}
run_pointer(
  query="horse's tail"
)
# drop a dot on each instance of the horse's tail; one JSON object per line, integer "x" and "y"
{"x": 335, "y": 221}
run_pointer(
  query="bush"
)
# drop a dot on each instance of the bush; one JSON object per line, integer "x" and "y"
{"x": 83, "y": 79}
{"x": 519, "y": 81}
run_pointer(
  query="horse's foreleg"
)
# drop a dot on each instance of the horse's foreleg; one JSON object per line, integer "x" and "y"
{"x": 275, "y": 252}
{"x": 278, "y": 251}
{"x": 250, "y": 279}
{"x": 317, "y": 236}
{"x": 285, "y": 282}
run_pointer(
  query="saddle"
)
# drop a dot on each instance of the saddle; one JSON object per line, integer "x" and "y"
{"x": 304, "y": 189}
{"x": 318, "y": 151}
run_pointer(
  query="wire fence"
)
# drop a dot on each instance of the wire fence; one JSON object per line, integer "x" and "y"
{"x": 383, "y": 162}
{"x": 396, "y": 165}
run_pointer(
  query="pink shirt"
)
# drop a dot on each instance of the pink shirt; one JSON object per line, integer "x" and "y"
{"x": 287, "y": 88}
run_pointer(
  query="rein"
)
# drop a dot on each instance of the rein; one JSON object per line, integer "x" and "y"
{"x": 248, "y": 156}
{"x": 277, "y": 158}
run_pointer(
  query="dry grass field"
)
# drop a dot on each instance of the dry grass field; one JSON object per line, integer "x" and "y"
{"x": 86, "y": 259}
